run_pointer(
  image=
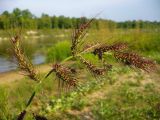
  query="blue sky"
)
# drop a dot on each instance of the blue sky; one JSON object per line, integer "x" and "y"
{"x": 118, "y": 10}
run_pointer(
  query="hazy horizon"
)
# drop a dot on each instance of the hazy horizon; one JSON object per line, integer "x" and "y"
{"x": 117, "y": 10}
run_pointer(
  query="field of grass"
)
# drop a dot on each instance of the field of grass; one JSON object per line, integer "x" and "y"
{"x": 145, "y": 41}
{"x": 122, "y": 93}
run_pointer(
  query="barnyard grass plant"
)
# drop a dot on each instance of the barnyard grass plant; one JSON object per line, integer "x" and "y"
{"x": 66, "y": 76}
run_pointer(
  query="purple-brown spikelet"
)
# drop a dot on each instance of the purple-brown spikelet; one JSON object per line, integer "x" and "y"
{"x": 23, "y": 63}
{"x": 68, "y": 70}
{"x": 118, "y": 46}
{"x": 65, "y": 74}
{"x": 78, "y": 34}
{"x": 21, "y": 115}
{"x": 81, "y": 30}
{"x": 104, "y": 48}
{"x": 92, "y": 68}
{"x": 136, "y": 60}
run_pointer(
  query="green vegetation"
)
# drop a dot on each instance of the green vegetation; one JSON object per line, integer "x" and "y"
{"x": 13, "y": 97}
{"x": 59, "y": 51}
{"x": 120, "y": 93}
{"x": 125, "y": 98}
{"x": 133, "y": 103}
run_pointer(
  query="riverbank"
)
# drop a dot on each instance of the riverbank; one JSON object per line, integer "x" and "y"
{"x": 14, "y": 75}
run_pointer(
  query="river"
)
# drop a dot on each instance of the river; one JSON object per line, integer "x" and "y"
{"x": 7, "y": 65}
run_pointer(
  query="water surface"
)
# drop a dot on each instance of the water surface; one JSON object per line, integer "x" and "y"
{"x": 7, "y": 65}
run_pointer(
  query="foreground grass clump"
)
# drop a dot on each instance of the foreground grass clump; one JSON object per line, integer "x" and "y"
{"x": 13, "y": 97}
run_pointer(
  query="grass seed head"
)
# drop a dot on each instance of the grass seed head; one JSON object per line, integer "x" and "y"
{"x": 65, "y": 74}
{"x": 92, "y": 68}
{"x": 78, "y": 34}
{"x": 23, "y": 63}
{"x": 104, "y": 48}
{"x": 21, "y": 115}
{"x": 136, "y": 60}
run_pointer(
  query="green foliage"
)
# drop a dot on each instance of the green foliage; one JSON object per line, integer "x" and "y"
{"x": 128, "y": 103}
{"x": 92, "y": 58}
{"x": 54, "y": 20}
{"x": 44, "y": 22}
{"x": 4, "y": 109}
{"x": 13, "y": 97}
{"x": 72, "y": 100}
{"x": 59, "y": 51}
{"x": 76, "y": 100}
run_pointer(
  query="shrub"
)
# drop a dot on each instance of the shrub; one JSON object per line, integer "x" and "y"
{"x": 59, "y": 51}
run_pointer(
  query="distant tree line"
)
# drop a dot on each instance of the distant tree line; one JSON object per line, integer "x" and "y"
{"x": 26, "y": 20}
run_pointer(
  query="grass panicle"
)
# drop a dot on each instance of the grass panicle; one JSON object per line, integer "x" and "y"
{"x": 24, "y": 64}
{"x": 65, "y": 74}
{"x": 92, "y": 68}
{"x": 104, "y": 48}
{"x": 78, "y": 34}
{"x": 136, "y": 60}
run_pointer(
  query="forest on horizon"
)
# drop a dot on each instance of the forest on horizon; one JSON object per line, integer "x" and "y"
{"x": 27, "y": 20}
